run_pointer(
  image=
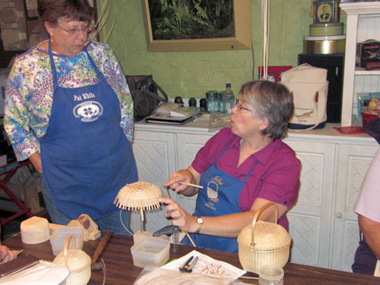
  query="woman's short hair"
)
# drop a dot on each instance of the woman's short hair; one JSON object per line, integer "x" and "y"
{"x": 51, "y": 10}
{"x": 269, "y": 100}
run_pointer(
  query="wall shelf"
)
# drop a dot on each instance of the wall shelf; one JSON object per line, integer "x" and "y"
{"x": 363, "y": 20}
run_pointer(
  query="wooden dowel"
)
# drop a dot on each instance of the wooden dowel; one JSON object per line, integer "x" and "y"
{"x": 194, "y": 185}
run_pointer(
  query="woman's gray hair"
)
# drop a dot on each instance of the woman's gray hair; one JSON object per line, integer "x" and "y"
{"x": 51, "y": 10}
{"x": 269, "y": 100}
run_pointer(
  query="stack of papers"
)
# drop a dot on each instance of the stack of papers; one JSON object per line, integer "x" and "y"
{"x": 207, "y": 265}
{"x": 44, "y": 272}
{"x": 178, "y": 116}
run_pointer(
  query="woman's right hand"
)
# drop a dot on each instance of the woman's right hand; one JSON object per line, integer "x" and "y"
{"x": 6, "y": 254}
{"x": 175, "y": 178}
{"x": 35, "y": 159}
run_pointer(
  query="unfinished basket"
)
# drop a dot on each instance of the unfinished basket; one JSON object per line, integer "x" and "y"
{"x": 77, "y": 261}
{"x": 263, "y": 243}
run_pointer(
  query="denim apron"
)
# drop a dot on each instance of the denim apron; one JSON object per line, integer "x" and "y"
{"x": 86, "y": 158}
{"x": 220, "y": 196}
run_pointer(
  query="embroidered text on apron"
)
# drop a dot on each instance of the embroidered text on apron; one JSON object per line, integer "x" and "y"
{"x": 220, "y": 196}
{"x": 86, "y": 158}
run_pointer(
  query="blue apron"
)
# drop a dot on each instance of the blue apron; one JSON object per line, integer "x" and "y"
{"x": 220, "y": 196}
{"x": 86, "y": 158}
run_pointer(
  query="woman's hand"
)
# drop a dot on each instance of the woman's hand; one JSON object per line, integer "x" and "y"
{"x": 35, "y": 159}
{"x": 188, "y": 175}
{"x": 179, "y": 216}
{"x": 6, "y": 254}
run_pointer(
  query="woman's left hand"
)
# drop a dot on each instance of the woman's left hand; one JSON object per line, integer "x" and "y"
{"x": 179, "y": 216}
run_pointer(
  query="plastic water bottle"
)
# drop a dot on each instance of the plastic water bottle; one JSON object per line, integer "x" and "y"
{"x": 228, "y": 100}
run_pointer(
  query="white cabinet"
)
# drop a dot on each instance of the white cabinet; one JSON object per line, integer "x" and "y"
{"x": 189, "y": 144}
{"x": 155, "y": 159}
{"x": 352, "y": 162}
{"x": 363, "y": 22}
{"x": 310, "y": 223}
{"x": 323, "y": 225}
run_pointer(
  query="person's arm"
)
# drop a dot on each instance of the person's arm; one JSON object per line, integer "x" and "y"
{"x": 371, "y": 232}
{"x": 123, "y": 93}
{"x": 6, "y": 254}
{"x": 35, "y": 159}
{"x": 17, "y": 116}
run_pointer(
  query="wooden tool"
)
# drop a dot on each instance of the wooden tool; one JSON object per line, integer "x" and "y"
{"x": 190, "y": 184}
{"x": 102, "y": 244}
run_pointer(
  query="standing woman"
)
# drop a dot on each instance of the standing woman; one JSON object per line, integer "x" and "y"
{"x": 241, "y": 169}
{"x": 69, "y": 111}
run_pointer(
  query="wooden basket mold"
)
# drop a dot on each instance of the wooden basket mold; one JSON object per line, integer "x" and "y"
{"x": 263, "y": 243}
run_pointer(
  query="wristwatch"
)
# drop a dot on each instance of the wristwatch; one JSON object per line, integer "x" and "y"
{"x": 200, "y": 224}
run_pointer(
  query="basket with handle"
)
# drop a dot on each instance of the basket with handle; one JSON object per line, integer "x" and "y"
{"x": 263, "y": 243}
{"x": 77, "y": 261}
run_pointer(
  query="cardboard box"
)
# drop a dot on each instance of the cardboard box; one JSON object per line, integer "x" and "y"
{"x": 368, "y": 51}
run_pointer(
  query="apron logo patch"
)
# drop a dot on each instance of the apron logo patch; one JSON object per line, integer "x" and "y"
{"x": 213, "y": 187}
{"x": 88, "y": 111}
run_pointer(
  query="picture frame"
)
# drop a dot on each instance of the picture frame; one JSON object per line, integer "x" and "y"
{"x": 326, "y": 12}
{"x": 239, "y": 41}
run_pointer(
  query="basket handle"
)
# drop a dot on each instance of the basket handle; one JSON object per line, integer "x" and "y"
{"x": 65, "y": 250}
{"x": 256, "y": 216}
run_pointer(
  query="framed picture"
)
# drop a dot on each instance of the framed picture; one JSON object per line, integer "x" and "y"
{"x": 197, "y": 26}
{"x": 326, "y": 11}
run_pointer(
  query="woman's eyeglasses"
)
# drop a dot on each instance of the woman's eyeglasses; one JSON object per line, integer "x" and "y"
{"x": 239, "y": 106}
{"x": 74, "y": 31}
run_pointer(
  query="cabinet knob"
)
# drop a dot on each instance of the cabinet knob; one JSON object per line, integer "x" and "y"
{"x": 338, "y": 215}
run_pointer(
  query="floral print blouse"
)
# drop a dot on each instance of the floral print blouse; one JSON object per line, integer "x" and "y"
{"x": 29, "y": 91}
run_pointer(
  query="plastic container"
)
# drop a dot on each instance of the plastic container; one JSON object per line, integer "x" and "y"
{"x": 150, "y": 251}
{"x": 271, "y": 275}
{"x": 60, "y": 235}
{"x": 228, "y": 100}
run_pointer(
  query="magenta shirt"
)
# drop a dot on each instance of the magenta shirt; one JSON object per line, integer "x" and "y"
{"x": 275, "y": 178}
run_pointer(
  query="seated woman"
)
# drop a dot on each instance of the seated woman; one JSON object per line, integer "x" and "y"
{"x": 241, "y": 169}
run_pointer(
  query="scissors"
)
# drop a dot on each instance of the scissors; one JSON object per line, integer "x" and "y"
{"x": 189, "y": 265}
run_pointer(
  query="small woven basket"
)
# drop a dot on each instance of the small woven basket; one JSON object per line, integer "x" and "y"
{"x": 263, "y": 243}
{"x": 77, "y": 261}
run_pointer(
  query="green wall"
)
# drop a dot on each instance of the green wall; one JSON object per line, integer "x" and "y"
{"x": 191, "y": 74}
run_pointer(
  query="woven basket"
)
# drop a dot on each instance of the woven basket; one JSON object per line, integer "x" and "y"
{"x": 263, "y": 243}
{"x": 77, "y": 261}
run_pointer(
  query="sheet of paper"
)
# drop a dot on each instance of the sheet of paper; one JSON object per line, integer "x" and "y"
{"x": 207, "y": 265}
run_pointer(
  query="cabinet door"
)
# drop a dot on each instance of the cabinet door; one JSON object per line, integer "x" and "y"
{"x": 155, "y": 159}
{"x": 188, "y": 146}
{"x": 353, "y": 163}
{"x": 310, "y": 219}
